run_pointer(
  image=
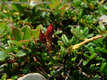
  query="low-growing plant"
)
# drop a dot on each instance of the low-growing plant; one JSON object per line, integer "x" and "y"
{"x": 61, "y": 39}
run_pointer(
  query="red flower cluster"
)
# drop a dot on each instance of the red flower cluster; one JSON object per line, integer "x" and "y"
{"x": 47, "y": 37}
{"x": 48, "y": 34}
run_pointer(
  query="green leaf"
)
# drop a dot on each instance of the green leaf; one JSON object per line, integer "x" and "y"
{"x": 35, "y": 33}
{"x": 62, "y": 51}
{"x": 14, "y": 42}
{"x": 103, "y": 65}
{"x": 39, "y": 26}
{"x": 17, "y": 34}
{"x": 54, "y": 4}
{"x": 65, "y": 40}
{"x": 93, "y": 54}
{"x": 3, "y": 56}
{"x": 2, "y": 15}
{"x": 4, "y": 77}
{"x": 20, "y": 54}
{"x": 101, "y": 28}
{"x": 102, "y": 50}
{"x": 85, "y": 63}
{"x": 2, "y": 28}
{"x": 14, "y": 77}
{"x": 18, "y": 7}
{"x": 78, "y": 33}
{"x": 27, "y": 32}
{"x": 57, "y": 32}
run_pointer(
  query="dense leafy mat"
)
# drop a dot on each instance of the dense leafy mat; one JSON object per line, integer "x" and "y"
{"x": 73, "y": 48}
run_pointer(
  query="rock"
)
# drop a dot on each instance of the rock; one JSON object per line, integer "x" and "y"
{"x": 103, "y": 19}
{"x": 32, "y": 76}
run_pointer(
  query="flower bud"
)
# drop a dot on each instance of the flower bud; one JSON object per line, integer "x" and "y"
{"x": 49, "y": 32}
{"x": 42, "y": 37}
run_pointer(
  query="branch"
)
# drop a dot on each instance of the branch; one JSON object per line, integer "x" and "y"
{"x": 102, "y": 1}
{"x": 57, "y": 71}
{"x": 80, "y": 69}
{"x": 84, "y": 42}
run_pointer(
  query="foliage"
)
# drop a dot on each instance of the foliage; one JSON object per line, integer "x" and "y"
{"x": 74, "y": 21}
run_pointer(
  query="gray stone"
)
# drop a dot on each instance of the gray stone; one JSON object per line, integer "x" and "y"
{"x": 103, "y": 19}
{"x": 32, "y": 76}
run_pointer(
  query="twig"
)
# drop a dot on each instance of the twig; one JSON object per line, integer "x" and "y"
{"x": 80, "y": 62}
{"x": 76, "y": 46}
{"x": 102, "y": 1}
{"x": 68, "y": 75}
{"x": 80, "y": 69}
{"x": 57, "y": 71}
{"x": 84, "y": 42}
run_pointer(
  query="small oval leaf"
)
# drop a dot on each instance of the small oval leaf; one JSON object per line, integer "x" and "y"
{"x": 27, "y": 32}
{"x": 17, "y": 34}
{"x": 3, "y": 56}
{"x": 20, "y": 54}
{"x": 65, "y": 40}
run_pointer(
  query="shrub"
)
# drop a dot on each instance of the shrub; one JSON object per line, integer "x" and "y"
{"x": 75, "y": 50}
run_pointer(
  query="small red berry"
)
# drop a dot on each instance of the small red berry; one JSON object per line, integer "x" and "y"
{"x": 42, "y": 37}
